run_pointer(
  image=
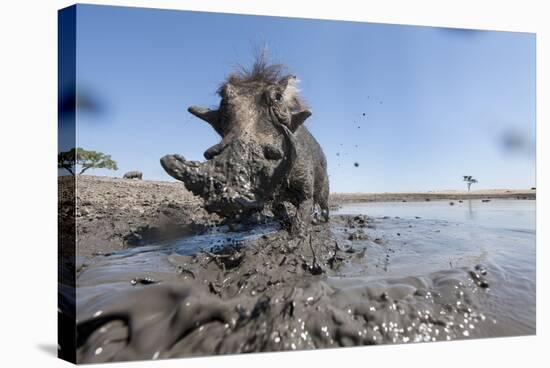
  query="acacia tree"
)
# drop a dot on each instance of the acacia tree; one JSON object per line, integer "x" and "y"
{"x": 86, "y": 159}
{"x": 469, "y": 179}
{"x": 66, "y": 160}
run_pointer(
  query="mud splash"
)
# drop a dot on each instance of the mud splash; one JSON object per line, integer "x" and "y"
{"x": 261, "y": 290}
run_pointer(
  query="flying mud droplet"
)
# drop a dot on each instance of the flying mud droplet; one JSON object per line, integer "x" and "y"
{"x": 143, "y": 281}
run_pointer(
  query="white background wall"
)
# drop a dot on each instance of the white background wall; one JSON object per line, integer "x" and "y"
{"x": 28, "y": 253}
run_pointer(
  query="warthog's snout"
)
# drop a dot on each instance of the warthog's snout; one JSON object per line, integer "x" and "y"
{"x": 172, "y": 163}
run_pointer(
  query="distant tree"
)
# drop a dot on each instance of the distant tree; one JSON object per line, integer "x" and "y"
{"x": 66, "y": 160}
{"x": 469, "y": 179}
{"x": 86, "y": 159}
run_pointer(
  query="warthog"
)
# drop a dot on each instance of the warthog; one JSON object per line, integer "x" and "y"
{"x": 133, "y": 175}
{"x": 266, "y": 158}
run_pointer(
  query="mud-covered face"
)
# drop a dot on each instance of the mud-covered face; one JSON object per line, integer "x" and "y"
{"x": 251, "y": 120}
{"x": 256, "y": 122}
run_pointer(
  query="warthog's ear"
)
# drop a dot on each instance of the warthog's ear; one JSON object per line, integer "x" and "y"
{"x": 289, "y": 84}
{"x": 284, "y": 81}
{"x": 212, "y": 117}
{"x": 298, "y": 118}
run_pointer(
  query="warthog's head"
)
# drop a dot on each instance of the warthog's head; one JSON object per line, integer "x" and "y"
{"x": 259, "y": 112}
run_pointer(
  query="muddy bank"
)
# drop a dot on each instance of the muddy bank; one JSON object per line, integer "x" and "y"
{"x": 339, "y": 198}
{"x": 113, "y": 213}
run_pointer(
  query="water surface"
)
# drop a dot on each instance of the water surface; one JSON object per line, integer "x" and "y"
{"x": 423, "y": 237}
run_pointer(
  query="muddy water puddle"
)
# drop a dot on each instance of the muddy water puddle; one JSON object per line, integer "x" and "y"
{"x": 417, "y": 238}
{"x": 152, "y": 264}
{"x": 408, "y": 272}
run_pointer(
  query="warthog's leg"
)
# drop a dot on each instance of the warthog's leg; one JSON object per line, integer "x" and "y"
{"x": 301, "y": 223}
{"x": 291, "y": 218}
{"x": 321, "y": 195}
{"x": 323, "y": 204}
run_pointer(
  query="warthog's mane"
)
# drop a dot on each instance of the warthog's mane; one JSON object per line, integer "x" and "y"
{"x": 262, "y": 74}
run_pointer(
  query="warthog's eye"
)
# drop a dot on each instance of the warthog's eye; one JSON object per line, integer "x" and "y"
{"x": 224, "y": 113}
{"x": 273, "y": 96}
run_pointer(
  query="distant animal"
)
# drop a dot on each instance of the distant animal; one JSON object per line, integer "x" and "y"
{"x": 133, "y": 175}
{"x": 266, "y": 155}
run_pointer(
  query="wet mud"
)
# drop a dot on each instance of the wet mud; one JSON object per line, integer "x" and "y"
{"x": 259, "y": 289}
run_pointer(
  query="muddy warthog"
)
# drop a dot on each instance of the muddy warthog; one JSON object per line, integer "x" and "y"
{"x": 266, "y": 158}
{"x": 133, "y": 175}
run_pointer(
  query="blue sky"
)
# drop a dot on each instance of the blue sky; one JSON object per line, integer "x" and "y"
{"x": 437, "y": 103}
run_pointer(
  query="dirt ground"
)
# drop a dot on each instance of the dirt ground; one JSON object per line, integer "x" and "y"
{"x": 113, "y": 213}
{"x": 337, "y": 198}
